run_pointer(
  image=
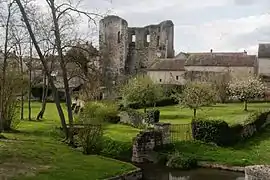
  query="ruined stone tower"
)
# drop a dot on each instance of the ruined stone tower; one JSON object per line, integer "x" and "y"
{"x": 147, "y": 44}
{"x": 113, "y": 34}
{"x": 130, "y": 50}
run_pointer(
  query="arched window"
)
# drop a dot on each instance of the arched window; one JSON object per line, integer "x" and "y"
{"x": 118, "y": 37}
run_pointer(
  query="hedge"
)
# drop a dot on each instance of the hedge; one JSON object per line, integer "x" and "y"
{"x": 220, "y": 133}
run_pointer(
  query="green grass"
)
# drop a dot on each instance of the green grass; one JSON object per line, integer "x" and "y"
{"x": 254, "y": 151}
{"x": 231, "y": 113}
{"x": 36, "y": 153}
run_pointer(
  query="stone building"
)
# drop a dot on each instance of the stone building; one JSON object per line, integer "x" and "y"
{"x": 264, "y": 63}
{"x": 194, "y": 66}
{"x": 129, "y": 50}
{"x": 168, "y": 71}
{"x": 235, "y": 65}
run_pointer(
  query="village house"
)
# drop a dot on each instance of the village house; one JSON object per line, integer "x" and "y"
{"x": 191, "y": 66}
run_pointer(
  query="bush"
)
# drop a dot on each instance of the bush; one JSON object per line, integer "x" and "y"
{"x": 179, "y": 161}
{"x": 133, "y": 118}
{"x": 116, "y": 149}
{"x": 90, "y": 139}
{"x": 152, "y": 116}
{"x": 215, "y": 131}
{"x": 97, "y": 113}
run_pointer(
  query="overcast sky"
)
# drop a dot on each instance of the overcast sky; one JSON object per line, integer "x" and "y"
{"x": 200, "y": 25}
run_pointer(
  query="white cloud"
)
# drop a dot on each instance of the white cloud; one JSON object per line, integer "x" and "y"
{"x": 146, "y": 6}
{"x": 221, "y": 34}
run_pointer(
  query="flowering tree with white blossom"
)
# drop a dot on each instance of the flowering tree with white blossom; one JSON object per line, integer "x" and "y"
{"x": 246, "y": 89}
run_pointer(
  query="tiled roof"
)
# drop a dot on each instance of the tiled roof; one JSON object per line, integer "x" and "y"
{"x": 214, "y": 53}
{"x": 221, "y": 60}
{"x": 168, "y": 65}
{"x": 264, "y": 51}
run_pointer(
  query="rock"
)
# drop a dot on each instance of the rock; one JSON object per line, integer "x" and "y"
{"x": 258, "y": 172}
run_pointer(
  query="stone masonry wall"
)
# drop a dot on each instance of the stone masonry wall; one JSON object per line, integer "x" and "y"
{"x": 146, "y": 141}
{"x": 258, "y": 172}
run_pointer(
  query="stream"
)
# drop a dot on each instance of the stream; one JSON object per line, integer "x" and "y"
{"x": 156, "y": 172}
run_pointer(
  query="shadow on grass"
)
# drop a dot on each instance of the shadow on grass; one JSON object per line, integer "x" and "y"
{"x": 181, "y": 116}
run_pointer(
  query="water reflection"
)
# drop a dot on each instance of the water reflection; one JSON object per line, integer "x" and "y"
{"x": 152, "y": 172}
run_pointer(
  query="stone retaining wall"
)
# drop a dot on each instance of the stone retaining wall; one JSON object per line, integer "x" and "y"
{"x": 146, "y": 141}
{"x": 258, "y": 172}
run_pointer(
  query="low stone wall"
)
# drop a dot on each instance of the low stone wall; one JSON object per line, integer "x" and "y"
{"x": 258, "y": 172}
{"x": 146, "y": 141}
{"x": 133, "y": 175}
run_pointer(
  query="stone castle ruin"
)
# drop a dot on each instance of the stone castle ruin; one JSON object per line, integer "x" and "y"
{"x": 128, "y": 50}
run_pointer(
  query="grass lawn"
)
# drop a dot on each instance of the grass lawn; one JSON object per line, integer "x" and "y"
{"x": 231, "y": 113}
{"x": 254, "y": 151}
{"x": 37, "y": 153}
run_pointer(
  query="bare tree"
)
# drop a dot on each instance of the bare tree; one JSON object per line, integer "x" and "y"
{"x": 46, "y": 69}
{"x": 19, "y": 40}
{"x": 4, "y": 67}
{"x": 30, "y": 81}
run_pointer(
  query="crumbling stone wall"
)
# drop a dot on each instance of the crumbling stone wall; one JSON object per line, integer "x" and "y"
{"x": 258, "y": 172}
{"x": 128, "y": 50}
{"x": 146, "y": 141}
{"x": 151, "y": 43}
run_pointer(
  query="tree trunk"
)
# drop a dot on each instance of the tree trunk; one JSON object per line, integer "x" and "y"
{"x": 194, "y": 113}
{"x": 44, "y": 99}
{"x": 50, "y": 79}
{"x": 22, "y": 91}
{"x": 30, "y": 84}
{"x": 64, "y": 71}
{"x": 245, "y": 106}
{"x": 2, "y": 98}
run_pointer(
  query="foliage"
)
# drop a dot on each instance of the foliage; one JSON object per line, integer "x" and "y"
{"x": 142, "y": 90}
{"x": 220, "y": 133}
{"x": 183, "y": 162}
{"x": 90, "y": 138}
{"x": 152, "y": 116}
{"x": 220, "y": 82}
{"x": 246, "y": 89}
{"x": 13, "y": 87}
{"x": 216, "y": 131}
{"x": 133, "y": 118}
{"x": 197, "y": 94}
{"x": 97, "y": 113}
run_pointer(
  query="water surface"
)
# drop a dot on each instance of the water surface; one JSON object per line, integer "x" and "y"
{"x": 155, "y": 172}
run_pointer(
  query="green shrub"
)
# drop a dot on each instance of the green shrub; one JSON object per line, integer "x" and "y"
{"x": 90, "y": 139}
{"x": 97, "y": 113}
{"x": 215, "y": 131}
{"x": 183, "y": 162}
{"x": 152, "y": 116}
{"x": 133, "y": 118}
{"x": 116, "y": 149}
